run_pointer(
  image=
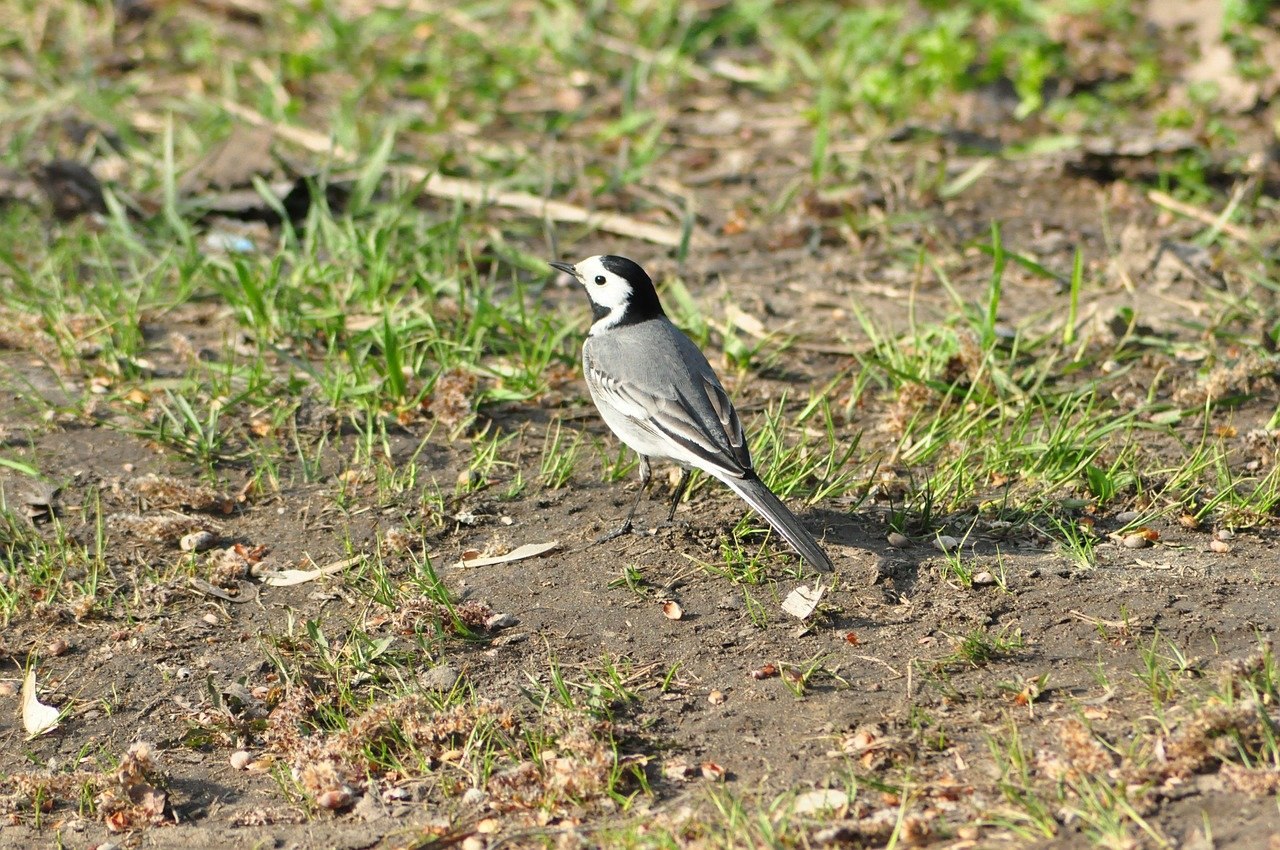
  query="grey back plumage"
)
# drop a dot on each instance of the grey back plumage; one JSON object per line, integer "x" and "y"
{"x": 662, "y": 367}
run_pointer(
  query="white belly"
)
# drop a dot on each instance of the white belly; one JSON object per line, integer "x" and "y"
{"x": 637, "y": 439}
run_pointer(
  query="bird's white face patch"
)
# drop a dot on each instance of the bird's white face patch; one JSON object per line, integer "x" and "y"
{"x": 607, "y": 291}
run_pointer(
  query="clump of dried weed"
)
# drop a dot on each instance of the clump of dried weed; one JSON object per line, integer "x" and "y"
{"x": 130, "y": 797}
{"x": 481, "y": 745}
{"x": 452, "y": 400}
{"x": 1231, "y": 733}
{"x": 165, "y": 528}
{"x": 410, "y": 615}
{"x": 165, "y": 493}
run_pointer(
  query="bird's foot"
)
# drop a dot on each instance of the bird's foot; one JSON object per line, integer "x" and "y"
{"x": 620, "y": 531}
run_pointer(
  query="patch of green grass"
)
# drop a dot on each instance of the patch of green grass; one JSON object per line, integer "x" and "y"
{"x": 599, "y": 690}
{"x": 956, "y": 567}
{"x": 1028, "y": 815}
{"x": 799, "y": 677}
{"x": 1076, "y": 540}
{"x": 485, "y": 460}
{"x": 633, "y": 580}
{"x": 1164, "y": 666}
{"x": 980, "y": 647}
{"x": 1014, "y": 422}
{"x": 52, "y": 570}
{"x": 795, "y": 460}
{"x": 1203, "y": 724}
{"x": 742, "y": 560}
{"x": 1106, "y": 812}
{"x": 560, "y": 456}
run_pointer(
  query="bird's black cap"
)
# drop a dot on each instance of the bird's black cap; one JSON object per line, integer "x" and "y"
{"x": 644, "y": 304}
{"x": 627, "y": 269}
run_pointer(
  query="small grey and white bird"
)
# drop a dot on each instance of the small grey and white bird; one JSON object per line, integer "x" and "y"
{"x": 657, "y": 393}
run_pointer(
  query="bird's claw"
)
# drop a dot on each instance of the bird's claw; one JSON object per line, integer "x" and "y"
{"x": 620, "y": 531}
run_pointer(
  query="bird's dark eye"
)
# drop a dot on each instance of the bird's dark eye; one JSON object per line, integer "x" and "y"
{"x": 600, "y": 280}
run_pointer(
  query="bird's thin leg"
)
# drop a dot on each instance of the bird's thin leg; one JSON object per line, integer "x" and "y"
{"x": 646, "y": 473}
{"x": 681, "y": 486}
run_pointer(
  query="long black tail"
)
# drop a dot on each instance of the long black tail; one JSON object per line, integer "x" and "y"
{"x": 761, "y": 498}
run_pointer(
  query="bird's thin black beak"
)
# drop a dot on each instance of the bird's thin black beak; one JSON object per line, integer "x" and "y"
{"x": 564, "y": 267}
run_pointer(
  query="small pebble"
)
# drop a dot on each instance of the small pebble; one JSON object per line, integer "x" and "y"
{"x": 240, "y": 760}
{"x": 8, "y": 689}
{"x": 500, "y": 621}
{"x": 474, "y": 797}
{"x": 717, "y": 698}
{"x": 1222, "y": 547}
{"x": 1225, "y": 534}
{"x": 898, "y": 541}
{"x": 984, "y": 579}
{"x": 442, "y": 677}
{"x": 334, "y": 800}
{"x": 58, "y": 647}
{"x": 474, "y": 842}
{"x": 197, "y": 541}
{"x": 1135, "y": 541}
{"x": 945, "y": 542}
{"x": 1126, "y": 517}
{"x": 210, "y": 618}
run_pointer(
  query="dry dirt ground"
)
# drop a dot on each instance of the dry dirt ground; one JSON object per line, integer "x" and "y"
{"x": 884, "y": 641}
{"x": 885, "y": 688}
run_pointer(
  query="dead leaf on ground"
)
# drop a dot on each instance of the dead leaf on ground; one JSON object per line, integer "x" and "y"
{"x": 824, "y": 799}
{"x": 803, "y": 601}
{"x": 677, "y": 770}
{"x": 520, "y": 553}
{"x": 39, "y": 502}
{"x": 288, "y": 578}
{"x": 37, "y": 718}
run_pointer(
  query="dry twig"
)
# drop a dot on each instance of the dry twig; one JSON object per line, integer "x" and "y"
{"x": 455, "y": 188}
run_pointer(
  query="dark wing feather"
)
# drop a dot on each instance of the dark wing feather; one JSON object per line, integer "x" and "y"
{"x": 729, "y": 420}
